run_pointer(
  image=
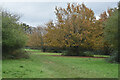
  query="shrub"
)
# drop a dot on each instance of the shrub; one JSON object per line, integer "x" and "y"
{"x": 72, "y": 51}
{"x": 113, "y": 58}
{"x": 16, "y": 54}
{"x": 12, "y": 39}
{"x": 88, "y": 53}
{"x": 81, "y": 53}
{"x": 53, "y": 49}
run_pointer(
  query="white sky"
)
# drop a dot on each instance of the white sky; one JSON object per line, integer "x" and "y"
{"x": 39, "y": 13}
{"x": 59, "y": 0}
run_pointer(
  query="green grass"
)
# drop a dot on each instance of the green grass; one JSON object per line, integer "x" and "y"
{"x": 41, "y": 66}
{"x": 32, "y": 50}
{"x": 101, "y": 56}
{"x": 42, "y": 53}
{"x": 0, "y": 69}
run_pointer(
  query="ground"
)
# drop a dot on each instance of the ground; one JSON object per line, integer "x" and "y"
{"x": 44, "y": 65}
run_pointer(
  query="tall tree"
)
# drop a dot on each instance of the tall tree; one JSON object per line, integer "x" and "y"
{"x": 76, "y": 29}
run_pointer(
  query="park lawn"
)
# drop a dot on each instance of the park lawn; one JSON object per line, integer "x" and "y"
{"x": 102, "y": 56}
{"x": 43, "y": 66}
{"x": 32, "y": 50}
{"x": 48, "y": 53}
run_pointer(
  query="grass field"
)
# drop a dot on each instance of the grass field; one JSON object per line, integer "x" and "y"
{"x": 39, "y": 65}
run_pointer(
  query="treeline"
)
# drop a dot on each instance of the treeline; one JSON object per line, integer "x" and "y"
{"x": 75, "y": 31}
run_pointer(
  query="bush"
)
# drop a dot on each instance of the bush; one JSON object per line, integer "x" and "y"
{"x": 81, "y": 53}
{"x": 17, "y": 54}
{"x": 12, "y": 39}
{"x": 88, "y": 53}
{"x": 103, "y": 52}
{"x": 113, "y": 58}
{"x": 53, "y": 49}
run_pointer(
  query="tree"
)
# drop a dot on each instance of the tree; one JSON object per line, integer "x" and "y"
{"x": 26, "y": 28}
{"x": 36, "y": 38}
{"x": 111, "y": 29}
{"x": 75, "y": 29}
{"x": 111, "y": 33}
{"x": 13, "y": 37}
{"x": 105, "y": 49}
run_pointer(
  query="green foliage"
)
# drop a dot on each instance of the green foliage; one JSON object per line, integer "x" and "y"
{"x": 78, "y": 53}
{"x": 16, "y": 54}
{"x": 13, "y": 37}
{"x": 111, "y": 30}
{"x": 111, "y": 34}
{"x": 72, "y": 51}
{"x": 54, "y": 49}
{"x": 88, "y": 53}
{"x": 113, "y": 58}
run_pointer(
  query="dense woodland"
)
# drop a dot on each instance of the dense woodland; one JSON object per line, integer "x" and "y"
{"x": 76, "y": 32}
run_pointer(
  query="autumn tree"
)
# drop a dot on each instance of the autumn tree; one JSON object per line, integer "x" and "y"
{"x": 36, "y": 37}
{"x": 76, "y": 29}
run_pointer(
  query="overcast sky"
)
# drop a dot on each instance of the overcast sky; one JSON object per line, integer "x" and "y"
{"x": 39, "y": 13}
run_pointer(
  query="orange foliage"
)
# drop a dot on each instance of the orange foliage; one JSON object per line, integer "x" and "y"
{"x": 36, "y": 37}
{"x": 75, "y": 26}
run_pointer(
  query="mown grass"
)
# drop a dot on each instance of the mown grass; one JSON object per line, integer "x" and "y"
{"x": 42, "y": 66}
{"x": 32, "y": 50}
{"x": 102, "y": 56}
{"x": 48, "y": 53}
